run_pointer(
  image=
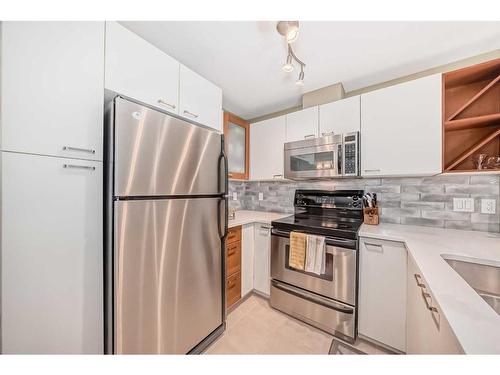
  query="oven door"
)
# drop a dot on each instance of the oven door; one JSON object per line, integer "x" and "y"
{"x": 321, "y": 161}
{"x": 339, "y": 280}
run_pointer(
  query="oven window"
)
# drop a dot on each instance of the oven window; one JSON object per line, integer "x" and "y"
{"x": 328, "y": 275}
{"x": 312, "y": 162}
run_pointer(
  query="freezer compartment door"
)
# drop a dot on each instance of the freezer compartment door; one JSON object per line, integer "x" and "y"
{"x": 158, "y": 154}
{"x": 167, "y": 275}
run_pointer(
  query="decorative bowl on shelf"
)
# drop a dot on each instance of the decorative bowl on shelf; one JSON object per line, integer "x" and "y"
{"x": 492, "y": 162}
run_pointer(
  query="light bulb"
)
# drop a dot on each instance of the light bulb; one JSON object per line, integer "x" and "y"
{"x": 300, "y": 80}
{"x": 288, "y": 66}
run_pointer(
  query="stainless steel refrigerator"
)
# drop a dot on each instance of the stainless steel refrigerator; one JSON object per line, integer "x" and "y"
{"x": 166, "y": 223}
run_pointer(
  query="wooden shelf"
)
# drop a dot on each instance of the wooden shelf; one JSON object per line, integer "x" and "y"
{"x": 471, "y": 122}
{"x": 469, "y": 152}
{"x": 474, "y": 98}
{"x": 471, "y": 116}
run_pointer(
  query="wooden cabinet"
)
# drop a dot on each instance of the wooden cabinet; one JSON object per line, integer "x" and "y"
{"x": 237, "y": 143}
{"x": 266, "y": 148}
{"x": 139, "y": 70}
{"x": 233, "y": 266}
{"x": 262, "y": 258}
{"x": 302, "y": 124}
{"x": 382, "y": 292}
{"x": 199, "y": 99}
{"x": 52, "y": 88}
{"x": 247, "y": 255}
{"x": 428, "y": 331}
{"x": 341, "y": 116}
{"x": 52, "y": 270}
{"x": 401, "y": 129}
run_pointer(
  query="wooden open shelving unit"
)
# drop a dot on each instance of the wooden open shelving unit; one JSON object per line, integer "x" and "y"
{"x": 471, "y": 116}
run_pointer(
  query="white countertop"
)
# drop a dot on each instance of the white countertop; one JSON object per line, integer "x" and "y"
{"x": 247, "y": 217}
{"x": 475, "y": 324}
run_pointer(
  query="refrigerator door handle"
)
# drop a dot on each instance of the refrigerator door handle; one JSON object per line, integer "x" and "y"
{"x": 225, "y": 190}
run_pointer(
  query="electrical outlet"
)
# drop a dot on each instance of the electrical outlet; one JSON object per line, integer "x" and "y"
{"x": 261, "y": 196}
{"x": 235, "y": 196}
{"x": 463, "y": 204}
{"x": 488, "y": 206}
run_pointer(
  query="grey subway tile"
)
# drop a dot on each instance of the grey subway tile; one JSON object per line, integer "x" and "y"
{"x": 435, "y": 189}
{"x": 446, "y": 215}
{"x": 485, "y": 180}
{"x": 423, "y": 205}
{"x": 422, "y": 221}
{"x": 472, "y": 189}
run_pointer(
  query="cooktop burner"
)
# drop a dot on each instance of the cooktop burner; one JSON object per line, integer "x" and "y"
{"x": 340, "y": 217}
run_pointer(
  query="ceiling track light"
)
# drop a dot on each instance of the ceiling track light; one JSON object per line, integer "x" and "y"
{"x": 290, "y": 30}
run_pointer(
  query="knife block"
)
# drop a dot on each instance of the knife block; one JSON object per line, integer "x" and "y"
{"x": 371, "y": 215}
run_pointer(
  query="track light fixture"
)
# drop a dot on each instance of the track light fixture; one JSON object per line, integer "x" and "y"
{"x": 290, "y": 30}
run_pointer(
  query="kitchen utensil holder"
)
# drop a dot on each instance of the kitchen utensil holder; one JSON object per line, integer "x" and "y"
{"x": 371, "y": 215}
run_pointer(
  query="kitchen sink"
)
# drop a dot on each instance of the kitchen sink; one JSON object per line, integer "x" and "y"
{"x": 484, "y": 279}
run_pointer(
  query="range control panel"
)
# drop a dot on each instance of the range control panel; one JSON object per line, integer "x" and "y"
{"x": 329, "y": 199}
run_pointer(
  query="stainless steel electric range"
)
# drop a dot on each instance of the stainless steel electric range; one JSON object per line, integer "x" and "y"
{"x": 327, "y": 301}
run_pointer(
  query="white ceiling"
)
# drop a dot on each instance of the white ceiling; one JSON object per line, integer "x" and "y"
{"x": 245, "y": 58}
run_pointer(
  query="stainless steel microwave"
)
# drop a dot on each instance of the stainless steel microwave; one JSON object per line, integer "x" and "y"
{"x": 326, "y": 157}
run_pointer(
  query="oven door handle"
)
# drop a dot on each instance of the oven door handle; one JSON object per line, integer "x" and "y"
{"x": 313, "y": 298}
{"x": 339, "y": 242}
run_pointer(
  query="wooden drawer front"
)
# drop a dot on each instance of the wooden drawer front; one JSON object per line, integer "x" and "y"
{"x": 233, "y": 258}
{"x": 233, "y": 235}
{"x": 233, "y": 289}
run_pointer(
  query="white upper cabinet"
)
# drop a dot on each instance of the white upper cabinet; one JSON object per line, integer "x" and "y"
{"x": 302, "y": 124}
{"x": 266, "y": 149}
{"x": 199, "y": 99}
{"x": 401, "y": 129}
{"x": 52, "y": 76}
{"x": 341, "y": 116}
{"x": 139, "y": 70}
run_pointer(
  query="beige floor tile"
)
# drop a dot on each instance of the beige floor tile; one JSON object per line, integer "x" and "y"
{"x": 255, "y": 328}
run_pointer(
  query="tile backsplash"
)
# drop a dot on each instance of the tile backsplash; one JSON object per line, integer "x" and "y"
{"x": 424, "y": 201}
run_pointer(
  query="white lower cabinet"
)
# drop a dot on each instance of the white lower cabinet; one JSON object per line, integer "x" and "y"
{"x": 382, "y": 292}
{"x": 262, "y": 259}
{"x": 428, "y": 331}
{"x": 52, "y": 278}
{"x": 247, "y": 255}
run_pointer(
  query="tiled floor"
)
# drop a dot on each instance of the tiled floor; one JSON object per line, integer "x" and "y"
{"x": 255, "y": 328}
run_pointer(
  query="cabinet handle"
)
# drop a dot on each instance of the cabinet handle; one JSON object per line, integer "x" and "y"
{"x": 310, "y": 136}
{"x": 277, "y": 175}
{"x": 326, "y": 133}
{"x": 79, "y": 166}
{"x": 432, "y": 309}
{"x": 264, "y": 227}
{"x": 376, "y": 245}
{"x": 372, "y": 170}
{"x": 69, "y": 148}
{"x": 418, "y": 278}
{"x": 163, "y": 102}
{"x": 194, "y": 115}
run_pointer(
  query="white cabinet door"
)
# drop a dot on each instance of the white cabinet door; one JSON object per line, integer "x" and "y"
{"x": 302, "y": 124}
{"x": 247, "y": 255}
{"x": 428, "y": 332}
{"x": 341, "y": 116}
{"x": 382, "y": 292}
{"x": 262, "y": 259}
{"x": 52, "y": 88}
{"x": 52, "y": 250}
{"x": 401, "y": 129}
{"x": 266, "y": 149}
{"x": 139, "y": 70}
{"x": 199, "y": 99}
